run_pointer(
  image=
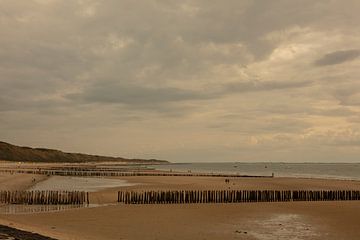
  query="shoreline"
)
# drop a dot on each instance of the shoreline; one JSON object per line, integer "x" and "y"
{"x": 164, "y": 173}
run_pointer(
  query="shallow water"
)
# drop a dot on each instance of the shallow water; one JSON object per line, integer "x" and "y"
{"x": 88, "y": 184}
{"x": 349, "y": 171}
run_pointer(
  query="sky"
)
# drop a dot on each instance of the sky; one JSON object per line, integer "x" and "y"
{"x": 184, "y": 81}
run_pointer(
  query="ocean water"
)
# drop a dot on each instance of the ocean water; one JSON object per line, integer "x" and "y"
{"x": 348, "y": 171}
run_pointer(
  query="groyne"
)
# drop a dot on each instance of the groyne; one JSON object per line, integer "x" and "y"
{"x": 233, "y": 196}
{"x": 44, "y": 197}
{"x": 93, "y": 173}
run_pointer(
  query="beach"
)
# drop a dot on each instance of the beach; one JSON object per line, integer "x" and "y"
{"x": 179, "y": 120}
{"x": 277, "y": 220}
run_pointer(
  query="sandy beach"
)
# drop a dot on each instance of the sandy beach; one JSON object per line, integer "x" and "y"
{"x": 282, "y": 220}
{"x": 179, "y": 120}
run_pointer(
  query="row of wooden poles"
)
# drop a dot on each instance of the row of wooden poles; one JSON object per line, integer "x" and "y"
{"x": 180, "y": 197}
{"x": 44, "y": 197}
{"x": 119, "y": 173}
{"x": 83, "y": 168}
{"x": 233, "y": 196}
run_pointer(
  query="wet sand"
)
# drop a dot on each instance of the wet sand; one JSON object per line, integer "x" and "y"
{"x": 286, "y": 220}
{"x": 19, "y": 181}
{"x": 16, "y": 182}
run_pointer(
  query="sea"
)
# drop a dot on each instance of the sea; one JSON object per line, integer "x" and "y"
{"x": 344, "y": 171}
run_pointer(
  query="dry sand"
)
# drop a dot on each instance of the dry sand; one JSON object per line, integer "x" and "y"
{"x": 288, "y": 220}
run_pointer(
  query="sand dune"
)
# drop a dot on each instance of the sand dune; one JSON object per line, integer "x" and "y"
{"x": 11, "y": 152}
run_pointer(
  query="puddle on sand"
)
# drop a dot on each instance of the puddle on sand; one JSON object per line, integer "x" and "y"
{"x": 283, "y": 227}
{"x": 89, "y": 184}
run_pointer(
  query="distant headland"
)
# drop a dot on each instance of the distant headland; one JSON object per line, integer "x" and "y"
{"x": 9, "y": 152}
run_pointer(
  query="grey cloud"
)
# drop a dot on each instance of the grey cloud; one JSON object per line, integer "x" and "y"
{"x": 347, "y": 93}
{"x": 337, "y": 112}
{"x": 247, "y": 126}
{"x": 291, "y": 110}
{"x": 354, "y": 118}
{"x": 253, "y": 86}
{"x": 286, "y": 126}
{"x": 355, "y": 142}
{"x": 338, "y": 57}
{"x": 351, "y": 101}
{"x": 134, "y": 95}
{"x": 44, "y": 106}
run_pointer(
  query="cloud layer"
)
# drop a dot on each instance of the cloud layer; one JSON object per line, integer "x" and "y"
{"x": 183, "y": 80}
{"x": 338, "y": 57}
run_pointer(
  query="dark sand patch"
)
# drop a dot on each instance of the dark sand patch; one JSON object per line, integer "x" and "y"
{"x": 8, "y": 233}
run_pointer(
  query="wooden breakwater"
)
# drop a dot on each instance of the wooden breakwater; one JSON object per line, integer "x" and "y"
{"x": 44, "y": 197}
{"x": 123, "y": 174}
{"x": 234, "y": 196}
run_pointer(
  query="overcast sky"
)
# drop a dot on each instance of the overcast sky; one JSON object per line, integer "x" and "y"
{"x": 197, "y": 80}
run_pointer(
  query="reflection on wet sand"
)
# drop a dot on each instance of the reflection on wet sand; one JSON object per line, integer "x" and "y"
{"x": 28, "y": 209}
{"x": 283, "y": 227}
